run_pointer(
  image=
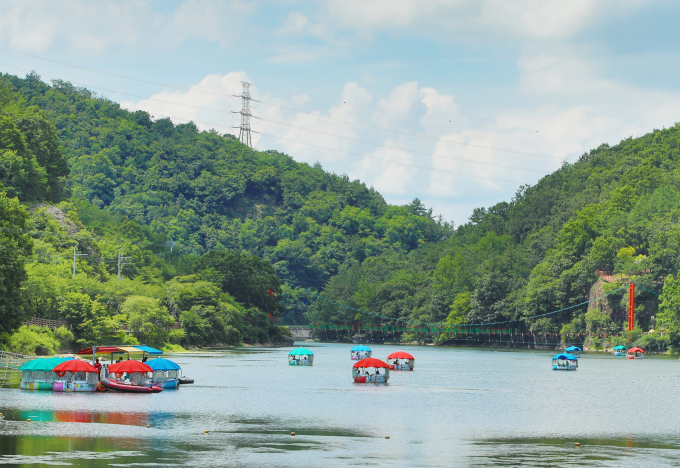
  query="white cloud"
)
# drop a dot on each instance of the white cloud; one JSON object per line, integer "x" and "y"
{"x": 95, "y": 27}
{"x": 209, "y": 103}
{"x": 477, "y": 19}
{"x": 466, "y": 157}
{"x": 563, "y": 102}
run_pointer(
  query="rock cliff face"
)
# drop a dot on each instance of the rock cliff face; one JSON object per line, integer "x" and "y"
{"x": 596, "y": 290}
{"x": 59, "y": 216}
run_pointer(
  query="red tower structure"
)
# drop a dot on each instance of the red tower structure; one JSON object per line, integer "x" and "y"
{"x": 631, "y": 306}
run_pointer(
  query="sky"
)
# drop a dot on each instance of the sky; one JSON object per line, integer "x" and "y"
{"x": 455, "y": 102}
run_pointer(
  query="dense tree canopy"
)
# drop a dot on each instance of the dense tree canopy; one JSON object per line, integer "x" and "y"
{"x": 256, "y": 235}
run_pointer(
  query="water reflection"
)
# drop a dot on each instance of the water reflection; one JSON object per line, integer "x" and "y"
{"x": 558, "y": 452}
{"x": 41, "y": 450}
{"x": 456, "y": 409}
{"x": 61, "y": 416}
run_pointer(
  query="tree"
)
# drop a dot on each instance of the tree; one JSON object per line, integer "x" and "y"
{"x": 250, "y": 280}
{"x": 459, "y": 309}
{"x": 149, "y": 322}
{"x": 43, "y": 142}
{"x": 669, "y": 309}
{"x": 15, "y": 247}
{"x": 20, "y": 173}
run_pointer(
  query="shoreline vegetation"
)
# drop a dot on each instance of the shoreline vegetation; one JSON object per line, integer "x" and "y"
{"x": 127, "y": 229}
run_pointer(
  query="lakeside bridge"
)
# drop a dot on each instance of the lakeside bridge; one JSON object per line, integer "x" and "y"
{"x": 454, "y": 329}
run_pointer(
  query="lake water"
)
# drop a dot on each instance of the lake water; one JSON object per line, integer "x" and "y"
{"x": 460, "y": 407}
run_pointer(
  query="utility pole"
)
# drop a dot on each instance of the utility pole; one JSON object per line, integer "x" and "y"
{"x": 76, "y": 255}
{"x": 244, "y": 128}
{"x": 122, "y": 262}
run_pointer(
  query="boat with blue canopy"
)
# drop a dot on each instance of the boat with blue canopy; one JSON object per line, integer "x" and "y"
{"x": 564, "y": 361}
{"x": 619, "y": 350}
{"x": 361, "y": 352}
{"x": 301, "y": 357}
{"x": 120, "y": 349}
{"x": 165, "y": 373}
{"x": 574, "y": 350}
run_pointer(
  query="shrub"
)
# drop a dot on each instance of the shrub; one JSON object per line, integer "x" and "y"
{"x": 176, "y": 336}
{"x": 33, "y": 340}
{"x": 65, "y": 337}
{"x": 653, "y": 342}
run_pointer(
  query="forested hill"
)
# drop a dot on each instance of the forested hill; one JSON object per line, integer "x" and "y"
{"x": 202, "y": 190}
{"x": 517, "y": 262}
{"x": 616, "y": 209}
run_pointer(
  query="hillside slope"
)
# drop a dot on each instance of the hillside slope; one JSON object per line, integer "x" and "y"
{"x": 615, "y": 209}
{"x": 527, "y": 262}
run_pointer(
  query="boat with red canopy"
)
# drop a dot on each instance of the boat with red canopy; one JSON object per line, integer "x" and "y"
{"x": 401, "y": 361}
{"x": 75, "y": 376}
{"x": 368, "y": 371}
{"x": 636, "y": 353}
{"x": 130, "y": 376}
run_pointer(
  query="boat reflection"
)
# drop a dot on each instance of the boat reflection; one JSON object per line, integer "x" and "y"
{"x": 127, "y": 419}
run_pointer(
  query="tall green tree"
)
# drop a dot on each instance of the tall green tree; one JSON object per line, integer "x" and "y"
{"x": 250, "y": 280}
{"x": 149, "y": 322}
{"x": 15, "y": 247}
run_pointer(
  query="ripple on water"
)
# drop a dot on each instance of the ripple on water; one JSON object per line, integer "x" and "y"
{"x": 457, "y": 408}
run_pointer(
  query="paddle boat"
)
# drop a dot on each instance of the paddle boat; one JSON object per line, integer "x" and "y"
{"x": 619, "y": 350}
{"x": 574, "y": 351}
{"x": 401, "y": 361}
{"x": 301, "y": 357}
{"x": 127, "y": 386}
{"x": 369, "y": 371}
{"x": 361, "y": 352}
{"x": 564, "y": 361}
{"x": 165, "y": 373}
{"x": 636, "y": 353}
{"x": 37, "y": 374}
{"x": 129, "y": 376}
{"x": 75, "y": 376}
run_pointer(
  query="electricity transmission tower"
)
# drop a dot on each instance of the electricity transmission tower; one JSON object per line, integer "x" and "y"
{"x": 244, "y": 128}
{"x": 122, "y": 262}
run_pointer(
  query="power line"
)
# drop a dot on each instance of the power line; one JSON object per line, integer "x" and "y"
{"x": 392, "y": 161}
{"x": 374, "y": 127}
{"x": 247, "y": 125}
{"x": 396, "y": 148}
{"x": 354, "y": 154}
{"x": 414, "y": 135}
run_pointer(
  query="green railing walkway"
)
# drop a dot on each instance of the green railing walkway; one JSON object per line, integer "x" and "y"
{"x": 13, "y": 360}
{"x": 415, "y": 329}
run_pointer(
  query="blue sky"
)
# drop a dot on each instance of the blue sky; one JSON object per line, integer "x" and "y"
{"x": 456, "y": 102}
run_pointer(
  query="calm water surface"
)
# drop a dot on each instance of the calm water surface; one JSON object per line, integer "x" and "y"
{"x": 460, "y": 407}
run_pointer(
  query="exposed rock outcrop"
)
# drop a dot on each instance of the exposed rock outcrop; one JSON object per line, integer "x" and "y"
{"x": 59, "y": 216}
{"x": 596, "y": 290}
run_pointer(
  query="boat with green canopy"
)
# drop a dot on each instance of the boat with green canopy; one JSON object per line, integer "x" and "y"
{"x": 300, "y": 357}
{"x": 619, "y": 350}
{"x": 37, "y": 374}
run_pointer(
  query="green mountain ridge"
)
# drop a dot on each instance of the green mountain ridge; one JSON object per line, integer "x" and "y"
{"x": 135, "y": 183}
